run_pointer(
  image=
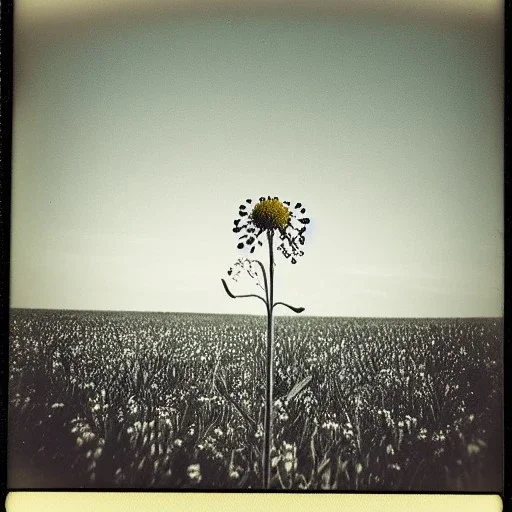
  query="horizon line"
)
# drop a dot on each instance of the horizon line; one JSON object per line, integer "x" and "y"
{"x": 84, "y": 310}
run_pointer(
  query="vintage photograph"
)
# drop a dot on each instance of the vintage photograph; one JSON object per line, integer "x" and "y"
{"x": 257, "y": 247}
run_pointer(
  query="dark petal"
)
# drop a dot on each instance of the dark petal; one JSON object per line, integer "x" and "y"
{"x": 237, "y": 230}
{"x": 230, "y": 271}
{"x": 250, "y": 240}
{"x": 294, "y": 261}
{"x": 269, "y": 198}
{"x": 260, "y": 243}
{"x": 242, "y": 207}
{"x": 287, "y": 203}
{"x": 303, "y": 210}
{"x": 262, "y": 199}
{"x": 236, "y": 222}
{"x": 252, "y": 249}
{"x": 305, "y": 220}
{"x": 248, "y": 201}
{"x": 242, "y": 214}
{"x": 240, "y": 245}
{"x": 276, "y": 198}
{"x": 301, "y": 253}
{"x": 298, "y": 205}
{"x": 302, "y": 230}
{"x": 243, "y": 236}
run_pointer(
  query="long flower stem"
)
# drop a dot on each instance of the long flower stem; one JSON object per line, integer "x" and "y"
{"x": 269, "y": 401}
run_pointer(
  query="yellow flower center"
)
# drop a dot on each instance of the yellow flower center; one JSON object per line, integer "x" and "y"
{"x": 270, "y": 214}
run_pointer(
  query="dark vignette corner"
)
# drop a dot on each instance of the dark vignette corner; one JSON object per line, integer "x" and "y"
{"x": 6, "y": 37}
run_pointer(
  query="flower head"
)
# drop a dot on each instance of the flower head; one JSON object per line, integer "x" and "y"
{"x": 270, "y": 215}
{"x": 194, "y": 473}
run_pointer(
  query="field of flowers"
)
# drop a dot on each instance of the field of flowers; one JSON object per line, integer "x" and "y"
{"x": 136, "y": 400}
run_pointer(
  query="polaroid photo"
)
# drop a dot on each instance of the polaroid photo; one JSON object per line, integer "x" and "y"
{"x": 257, "y": 247}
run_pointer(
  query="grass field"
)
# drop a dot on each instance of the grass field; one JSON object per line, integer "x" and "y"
{"x": 110, "y": 399}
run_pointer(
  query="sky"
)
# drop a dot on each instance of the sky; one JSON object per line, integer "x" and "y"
{"x": 135, "y": 142}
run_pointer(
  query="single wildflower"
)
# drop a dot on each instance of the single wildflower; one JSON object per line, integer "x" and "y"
{"x": 194, "y": 473}
{"x": 473, "y": 449}
{"x": 273, "y": 218}
{"x": 289, "y": 457}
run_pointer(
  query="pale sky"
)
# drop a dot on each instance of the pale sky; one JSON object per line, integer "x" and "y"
{"x": 134, "y": 144}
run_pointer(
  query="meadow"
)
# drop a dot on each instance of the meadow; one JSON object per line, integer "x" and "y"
{"x": 158, "y": 400}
